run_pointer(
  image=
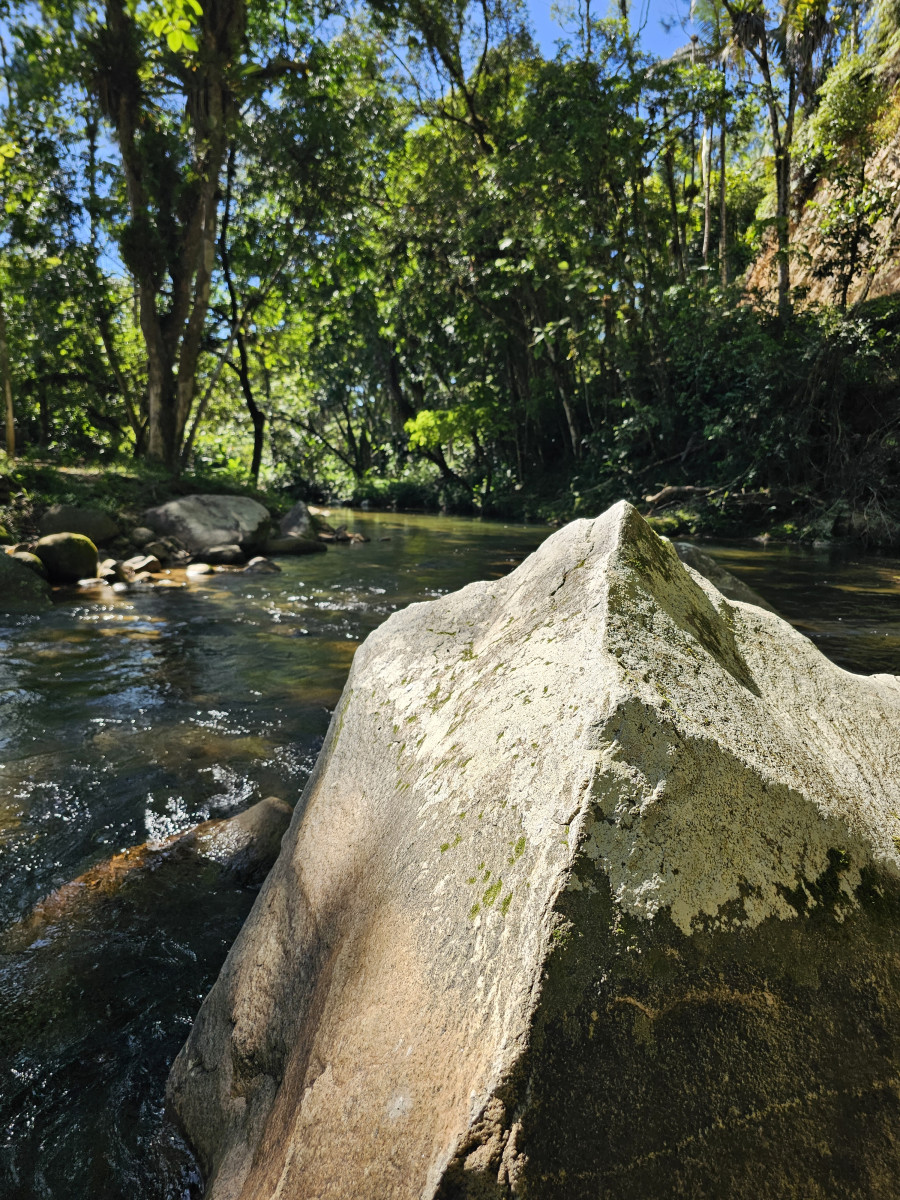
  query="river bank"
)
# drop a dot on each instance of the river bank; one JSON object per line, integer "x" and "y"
{"x": 124, "y": 489}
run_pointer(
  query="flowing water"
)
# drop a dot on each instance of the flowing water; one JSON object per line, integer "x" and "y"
{"x": 125, "y": 718}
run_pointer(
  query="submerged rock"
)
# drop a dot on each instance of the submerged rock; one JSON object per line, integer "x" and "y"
{"x": 342, "y": 535}
{"x": 241, "y": 848}
{"x": 202, "y": 522}
{"x": 729, "y": 585}
{"x": 593, "y": 893}
{"x": 92, "y": 523}
{"x": 67, "y": 557}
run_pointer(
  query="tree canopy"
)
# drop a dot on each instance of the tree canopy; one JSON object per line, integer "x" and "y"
{"x": 394, "y": 252}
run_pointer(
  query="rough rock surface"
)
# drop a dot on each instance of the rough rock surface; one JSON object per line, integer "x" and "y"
{"x": 21, "y": 588}
{"x": 201, "y": 522}
{"x": 593, "y": 893}
{"x": 93, "y": 523}
{"x": 729, "y": 585}
{"x": 67, "y": 557}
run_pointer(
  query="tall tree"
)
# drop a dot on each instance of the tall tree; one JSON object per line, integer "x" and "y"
{"x": 791, "y": 45}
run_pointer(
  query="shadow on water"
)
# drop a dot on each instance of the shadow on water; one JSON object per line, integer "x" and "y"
{"x": 128, "y": 718}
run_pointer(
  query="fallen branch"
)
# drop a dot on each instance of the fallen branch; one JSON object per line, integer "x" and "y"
{"x": 669, "y": 495}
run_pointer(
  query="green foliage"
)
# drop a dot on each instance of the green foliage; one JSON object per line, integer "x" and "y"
{"x": 839, "y": 141}
{"x": 409, "y": 260}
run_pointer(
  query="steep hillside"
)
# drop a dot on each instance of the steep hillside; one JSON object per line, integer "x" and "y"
{"x": 812, "y": 277}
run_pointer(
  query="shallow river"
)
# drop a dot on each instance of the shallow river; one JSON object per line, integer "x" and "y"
{"x": 128, "y": 717}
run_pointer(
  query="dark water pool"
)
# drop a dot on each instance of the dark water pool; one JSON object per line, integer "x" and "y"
{"x": 126, "y": 718}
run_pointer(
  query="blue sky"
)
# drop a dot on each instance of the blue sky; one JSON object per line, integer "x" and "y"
{"x": 647, "y": 13}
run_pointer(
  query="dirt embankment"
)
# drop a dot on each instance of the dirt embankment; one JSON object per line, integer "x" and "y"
{"x": 811, "y": 278}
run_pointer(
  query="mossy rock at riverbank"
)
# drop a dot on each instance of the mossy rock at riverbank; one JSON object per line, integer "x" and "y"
{"x": 21, "y": 589}
{"x": 67, "y": 557}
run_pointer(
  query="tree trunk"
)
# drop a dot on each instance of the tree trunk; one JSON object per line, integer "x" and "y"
{"x": 706, "y": 172}
{"x": 723, "y": 211}
{"x": 173, "y": 331}
{"x": 782, "y": 136}
{"x": 6, "y": 378}
{"x": 677, "y": 253}
{"x": 782, "y": 215}
{"x": 257, "y": 416}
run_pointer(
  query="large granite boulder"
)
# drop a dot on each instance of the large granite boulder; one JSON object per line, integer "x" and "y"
{"x": 201, "y": 522}
{"x": 92, "y": 523}
{"x": 67, "y": 557}
{"x": 21, "y": 588}
{"x": 593, "y": 893}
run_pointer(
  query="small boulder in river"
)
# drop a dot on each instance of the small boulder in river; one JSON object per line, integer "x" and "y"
{"x": 93, "y": 523}
{"x": 157, "y": 550}
{"x": 67, "y": 557}
{"x": 201, "y": 522}
{"x": 21, "y": 588}
{"x": 240, "y": 848}
{"x": 297, "y": 523}
{"x": 225, "y": 556}
{"x": 199, "y": 568}
{"x": 141, "y": 535}
{"x": 143, "y": 562}
{"x": 262, "y": 566}
{"x": 593, "y": 892}
{"x": 112, "y": 571}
